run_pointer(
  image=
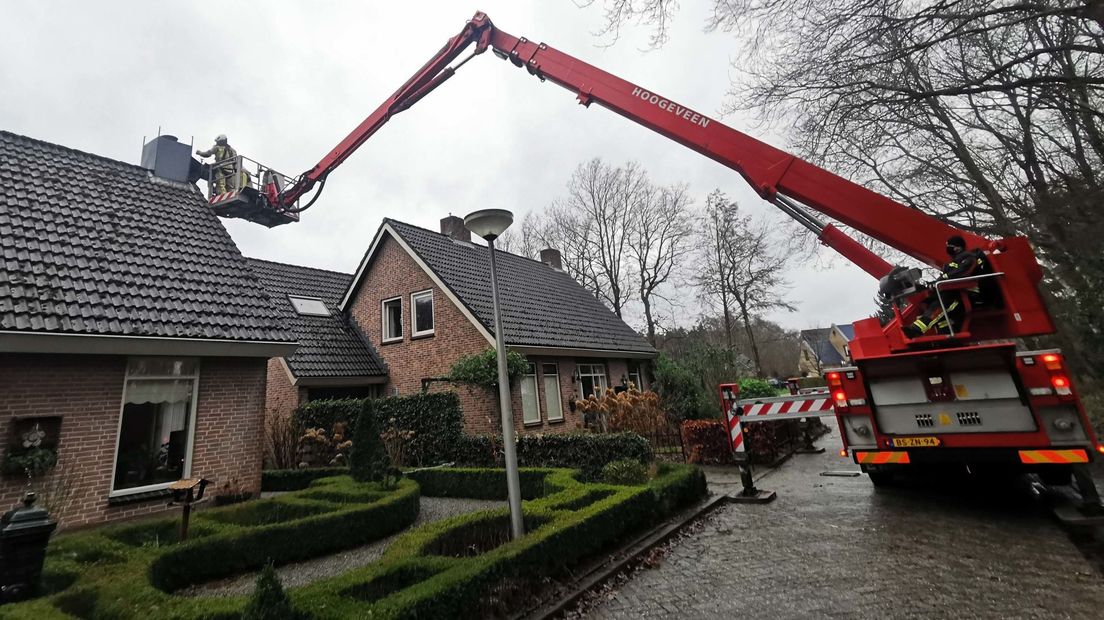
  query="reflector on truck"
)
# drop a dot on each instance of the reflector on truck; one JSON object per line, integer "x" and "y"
{"x": 1032, "y": 457}
{"x": 881, "y": 458}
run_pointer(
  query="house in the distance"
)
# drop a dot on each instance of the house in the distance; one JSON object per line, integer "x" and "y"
{"x": 825, "y": 347}
{"x": 134, "y": 339}
{"x": 422, "y": 299}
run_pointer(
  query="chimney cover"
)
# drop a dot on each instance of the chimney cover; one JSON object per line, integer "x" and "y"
{"x": 453, "y": 226}
{"x": 169, "y": 159}
{"x": 552, "y": 258}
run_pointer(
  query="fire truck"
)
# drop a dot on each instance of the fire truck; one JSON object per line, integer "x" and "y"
{"x": 963, "y": 397}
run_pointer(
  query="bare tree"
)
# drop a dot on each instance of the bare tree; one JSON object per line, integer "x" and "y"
{"x": 659, "y": 230}
{"x": 591, "y": 225}
{"x": 742, "y": 269}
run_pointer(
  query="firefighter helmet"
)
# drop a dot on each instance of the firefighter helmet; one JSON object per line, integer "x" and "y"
{"x": 221, "y": 138}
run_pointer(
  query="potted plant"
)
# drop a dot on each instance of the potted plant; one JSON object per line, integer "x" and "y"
{"x": 30, "y": 456}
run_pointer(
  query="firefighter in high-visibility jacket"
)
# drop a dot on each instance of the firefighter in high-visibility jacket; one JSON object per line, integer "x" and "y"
{"x": 963, "y": 264}
{"x": 226, "y": 161}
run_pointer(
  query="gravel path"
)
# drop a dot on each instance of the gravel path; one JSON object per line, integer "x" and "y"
{"x": 301, "y": 573}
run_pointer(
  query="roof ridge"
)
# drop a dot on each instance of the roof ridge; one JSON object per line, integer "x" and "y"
{"x": 273, "y": 262}
{"x": 539, "y": 262}
{"x": 72, "y": 150}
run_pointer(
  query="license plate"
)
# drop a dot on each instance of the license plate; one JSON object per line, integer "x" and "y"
{"x": 915, "y": 442}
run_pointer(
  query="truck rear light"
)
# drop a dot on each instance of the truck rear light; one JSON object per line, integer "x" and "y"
{"x": 833, "y": 377}
{"x": 840, "y": 397}
{"x": 843, "y": 453}
{"x": 1052, "y": 361}
{"x": 1061, "y": 385}
{"x": 1100, "y": 448}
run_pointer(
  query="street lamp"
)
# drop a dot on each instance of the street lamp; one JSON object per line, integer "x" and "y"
{"x": 489, "y": 224}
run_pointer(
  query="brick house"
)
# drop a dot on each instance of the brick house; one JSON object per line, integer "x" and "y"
{"x": 134, "y": 339}
{"x": 824, "y": 347}
{"x": 421, "y": 299}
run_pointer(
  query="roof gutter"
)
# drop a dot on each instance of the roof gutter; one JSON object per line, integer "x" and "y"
{"x": 338, "y": 381}
{"x": 95, "y": 344}
{"x": 569, "y": 351}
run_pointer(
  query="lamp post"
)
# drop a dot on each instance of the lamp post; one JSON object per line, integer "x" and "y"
{"x": 489, "y": 224}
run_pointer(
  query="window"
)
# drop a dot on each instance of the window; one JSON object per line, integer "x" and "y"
{"x": 157, "y": 424}
{"x": 309, "y": 306}
{"x": 422, "y": 315}
{"x": 592, "y": 378}
{"x": 553, "y": 408}
{"x": 530, "y": 405}
{"x": 635, "y": 377}
{"x": 392, "y": 319}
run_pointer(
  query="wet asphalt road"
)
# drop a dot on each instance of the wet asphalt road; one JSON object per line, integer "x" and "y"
{"x": 832, "y": 547}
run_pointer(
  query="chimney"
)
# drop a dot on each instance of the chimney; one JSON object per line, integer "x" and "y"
{"x": 454, "y": 227}
{"x": 551, "y": 257}
{"x": 169, "y": 159}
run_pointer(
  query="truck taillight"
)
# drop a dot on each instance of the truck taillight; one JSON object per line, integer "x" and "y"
{"x": 840, "y": 397}
{"x": 1052, "y": 361}
{"x": 1061, "y": 385}
{"x": 835, "y": 387}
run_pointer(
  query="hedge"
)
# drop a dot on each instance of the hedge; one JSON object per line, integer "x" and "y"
{"x": 297, "y": 479}
{"x": 126, "y": 571}
{"x": 706, "y": 441}
{"x": 436, "y": 419}
{"x": 574, "y": 520}
{"x": 478, "y": 483}
{"x": 589, "y": 452}
{"x": 438, "y": 570}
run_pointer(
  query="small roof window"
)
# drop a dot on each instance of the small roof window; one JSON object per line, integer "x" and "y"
{"x": 309, "y": 306}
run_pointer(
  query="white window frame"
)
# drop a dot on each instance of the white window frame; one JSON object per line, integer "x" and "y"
{"x": 192, "y": 422}
{"x": 552, "y": 414}
{"x": 536, "y": 395}
{"x": 383, "y": 320}
{"x": 324, "y": 312}
{"x": 603, "y": 379}
{"x": 634, "y": 372}
{"x": 414, "y": 333}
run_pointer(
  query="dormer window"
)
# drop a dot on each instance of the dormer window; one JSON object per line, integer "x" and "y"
{"x": 309, "y": 306}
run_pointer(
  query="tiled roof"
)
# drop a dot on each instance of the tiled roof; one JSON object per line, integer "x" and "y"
{"x": 541, "y": 306}
{"x": 94, "y": 246}
{"x": 328, "y": 346}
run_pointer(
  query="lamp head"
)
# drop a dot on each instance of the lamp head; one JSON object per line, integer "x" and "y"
{"x": 489, "y": 223}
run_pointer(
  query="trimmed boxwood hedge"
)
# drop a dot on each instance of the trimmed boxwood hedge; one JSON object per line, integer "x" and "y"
{"x": 574, "y": 520}
{"x": 567, "y": 519}
{"x": 126, "y": 571}
{"x": 589, "y": 452}
{"x": 297, "y": 479}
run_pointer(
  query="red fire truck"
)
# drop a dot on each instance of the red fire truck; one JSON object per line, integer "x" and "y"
{"x": 964, "y": 397}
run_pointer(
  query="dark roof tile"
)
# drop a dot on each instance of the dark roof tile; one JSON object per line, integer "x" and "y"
{"x": 328, "y": 345}
{"x": 96, "y": 246}
{"x": 541, "y": 306}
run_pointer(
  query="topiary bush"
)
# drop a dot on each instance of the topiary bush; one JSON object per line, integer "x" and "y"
{"x": 625, "y": 472}
{"x": 435, "y": 419}
{"x": 269, "y": 601}
{"x": 296, "y": 479}
{"x": 369, "y": 460}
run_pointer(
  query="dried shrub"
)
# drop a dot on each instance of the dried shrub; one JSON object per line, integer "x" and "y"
{"x": 281, "y": 441}
{"x": 627, "y": 411}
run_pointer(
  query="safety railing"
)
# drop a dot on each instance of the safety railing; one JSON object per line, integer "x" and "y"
{"x": 232, "y": 175}
{"x": 942, "y": 284}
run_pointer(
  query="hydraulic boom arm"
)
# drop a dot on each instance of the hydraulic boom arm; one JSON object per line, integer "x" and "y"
{"x": 792, "y": 184}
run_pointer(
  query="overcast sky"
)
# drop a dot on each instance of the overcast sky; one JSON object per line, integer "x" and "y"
{"x": 287, "y": 81}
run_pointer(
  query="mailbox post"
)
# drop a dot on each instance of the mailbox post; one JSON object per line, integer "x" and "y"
{"x": 24, "y": 533}
{"x": 187, "y": 493}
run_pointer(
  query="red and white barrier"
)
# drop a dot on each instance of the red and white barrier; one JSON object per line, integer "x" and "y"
{"x": 786, "y": 408}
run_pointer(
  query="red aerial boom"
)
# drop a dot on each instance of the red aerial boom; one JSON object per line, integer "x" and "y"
{"x": 790, "y": 183}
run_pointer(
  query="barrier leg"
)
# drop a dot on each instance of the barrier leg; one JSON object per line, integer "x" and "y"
{"x": 807, "y": 439}
{"x": 749, "y": 494}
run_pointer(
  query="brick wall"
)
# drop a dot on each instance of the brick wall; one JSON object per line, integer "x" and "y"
{"x": 281, "y": 397}
{"x": 87, "y": 392}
